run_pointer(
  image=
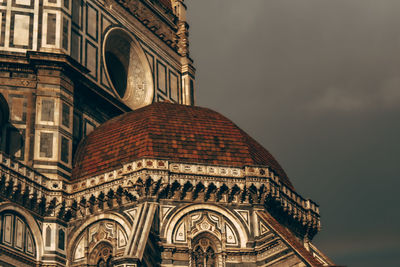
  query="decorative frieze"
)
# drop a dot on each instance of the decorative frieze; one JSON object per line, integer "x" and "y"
{"x": 164, "y": 27}
{"x": 137, "y": 180}
{"x": 150, "y": 180}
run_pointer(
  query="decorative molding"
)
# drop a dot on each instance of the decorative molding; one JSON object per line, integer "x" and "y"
{"x": 245, "y": 215}
{"x": 157, "y": 179}
{"x": 161, "y": 24}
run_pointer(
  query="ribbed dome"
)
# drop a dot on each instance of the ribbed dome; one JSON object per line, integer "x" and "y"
{"x": 174, "y": 132}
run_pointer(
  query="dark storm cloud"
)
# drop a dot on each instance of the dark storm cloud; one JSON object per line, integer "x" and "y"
{"x": 318, "y": 84}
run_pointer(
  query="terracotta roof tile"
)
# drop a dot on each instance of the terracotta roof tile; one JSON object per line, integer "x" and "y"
{"x": 170, "y": 131}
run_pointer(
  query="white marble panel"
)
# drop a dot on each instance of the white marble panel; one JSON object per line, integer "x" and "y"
{"x": 7, "y": 226}
{"x": 19, "y": 233}
{"x": 21, "y": 29}
{"x": 174, "y": 86}
{"x": 29, "y": 244}
{"x": 23, "y": 2}
{"x": 162, "y": 78}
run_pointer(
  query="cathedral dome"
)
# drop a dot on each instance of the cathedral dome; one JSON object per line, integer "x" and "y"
{"x": 174, "y": 132}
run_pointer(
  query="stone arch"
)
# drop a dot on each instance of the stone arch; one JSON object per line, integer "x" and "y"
{"x": 206, "y": 221}
{"x": 101, "y": 255}
{"x": 30, "y": 221}
{"x": 174, "y": 217}
{"x": 77, "y": 235}
{"x": 215, "y": 241}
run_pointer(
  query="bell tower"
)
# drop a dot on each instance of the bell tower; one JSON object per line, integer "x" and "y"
{"x": 66, "y": 66}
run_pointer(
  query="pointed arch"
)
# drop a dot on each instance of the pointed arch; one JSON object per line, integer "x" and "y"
{"x": 48, "y": 236}
{"x": 101, "y": 255}
{"x": 206, "y": 250}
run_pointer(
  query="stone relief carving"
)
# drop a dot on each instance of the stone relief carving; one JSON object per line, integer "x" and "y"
{"x": 105, "y": 232}
{"x": 196, "y": 223}
{"x": 166, "y": 32}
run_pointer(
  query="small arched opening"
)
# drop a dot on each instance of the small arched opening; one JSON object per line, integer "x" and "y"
{"x": 101, "y": 255}
{"x": 206, "y": 251}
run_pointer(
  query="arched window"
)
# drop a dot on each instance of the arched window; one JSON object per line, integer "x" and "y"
{"x": 16, "y": 234}
{"x": 48, "y": 236}
{"x": 105, "y": 262}
{"x": 101, "y": 256}
{"x": 204, "y": 253}
{"x": 61, "y": 239}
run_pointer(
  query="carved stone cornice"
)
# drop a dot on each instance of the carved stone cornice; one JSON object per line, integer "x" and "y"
{"x": 161, "y": 22}
{"x": 183, "y": 38}
{"x": 158, "y": 179}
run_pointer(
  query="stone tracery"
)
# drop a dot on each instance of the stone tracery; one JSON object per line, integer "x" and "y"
{"x": 101, "y": 255}
{"x": 205, "y": 252}
{"x": 102, "y": 241}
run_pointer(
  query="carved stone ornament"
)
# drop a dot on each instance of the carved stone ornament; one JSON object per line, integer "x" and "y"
{"x": 165, "y": 31}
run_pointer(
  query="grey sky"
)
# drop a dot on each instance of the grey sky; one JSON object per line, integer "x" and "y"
{"x": 317, "y": 82}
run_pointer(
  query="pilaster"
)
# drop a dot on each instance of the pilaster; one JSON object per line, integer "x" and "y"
{"x": 53, "y": 127}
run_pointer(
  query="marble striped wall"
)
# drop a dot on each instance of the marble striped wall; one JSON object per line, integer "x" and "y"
{"x": 77, "y": 28}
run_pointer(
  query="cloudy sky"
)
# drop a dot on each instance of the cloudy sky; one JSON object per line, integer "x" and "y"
{"x": 317, "y": 82}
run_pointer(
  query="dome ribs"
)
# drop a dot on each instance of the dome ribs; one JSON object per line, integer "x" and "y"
{"x": 174, "y": 132}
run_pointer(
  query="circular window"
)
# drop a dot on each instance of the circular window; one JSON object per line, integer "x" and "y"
{"x": 127, "y": 68}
